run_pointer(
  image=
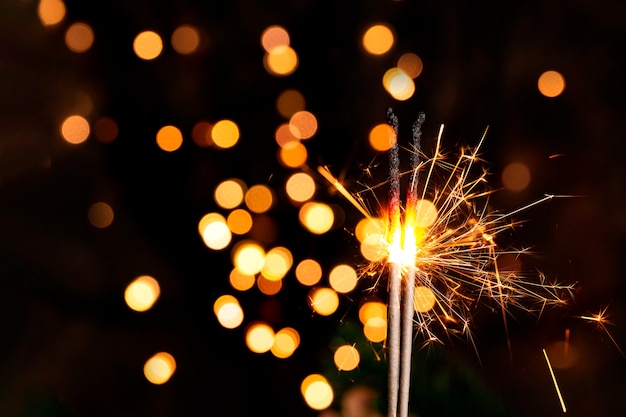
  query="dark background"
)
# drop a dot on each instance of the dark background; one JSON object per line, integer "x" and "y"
{"x": 69, "y": 346}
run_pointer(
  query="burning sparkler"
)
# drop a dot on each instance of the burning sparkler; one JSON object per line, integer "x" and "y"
{"x": 441, "y": 253}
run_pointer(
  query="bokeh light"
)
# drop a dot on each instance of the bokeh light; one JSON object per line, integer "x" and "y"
{"x": 516, "y": 176}
{"x": 317, "y": 392}
{"x": 423, "y": 299}
{"x": 185, "y": 39}
{"x": 317, "y": 218}
{"x": 551, "y": 83}
{"x": 248, "y": 257}
{"x": 201, "y": 134}
{"x": 105, "y": 129}
{"x": 324, "y": 301}
{"x": 274, "y": 36}
{"x": 142, "y": 293}
{"x": 308, "y": 272}
{"x": 426, "y": 213}
{"x": 382, "y": 137}
{"x": 259, "y": 337}
{"x": 398, "y": 84}
{"x": 343, "y": 278}
{"x": 267, "y": 286}
{"x": 372, "y": 309}
{"x": 286, "y": 341}
{"x": 411, "y": 64}
{"x": 79, "y": 37}
{"x": 259, "y": 198}
{"x": 281, "y": 60}
{"x": 303, "y": 124}
{"x": 75, "y": 129}
{"x": 159, "y": 368}
{"x": 346, "y": 358}
{"x": 225, "y": 134}
{"x": 283, "y": 135}
{"x": 278, "y": 261}
{"x": 239, "y": 221}
{"x": 100, "y": 215}
{"x": 169, "y": 138}
{"x": 214, "y": 231}
{"x": 228, "y": 311}
{"x": 300, "y": 187}
{"x": 50, "y": 12}
{"x": 378, "y": 39}
{"x": 375, "y": 329}
{"x": 240, "y": 281}
{"x": 563, "y": 354}
{"x": 148, "y": 45}
{"x": 292, "y": 154}
{"x": 229, "y": 193}
{"x": 289, "y": 102}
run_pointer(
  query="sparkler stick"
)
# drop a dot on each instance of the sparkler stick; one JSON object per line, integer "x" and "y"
{"x": 395, "y": 272}
{"x": 408, "y": 306}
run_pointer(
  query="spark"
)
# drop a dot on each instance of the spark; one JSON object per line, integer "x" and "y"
{"x": 601, "y": 319}
{"x": 556, "y": 385}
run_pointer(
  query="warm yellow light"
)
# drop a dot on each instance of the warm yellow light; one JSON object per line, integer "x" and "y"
{"x": 79, "y": 37}
{"x": 286, "y": 341}
{"x": 259, "y": 337}
{"x": 185, "y": 39}
{"x": 303, "y": 124}
{"x": 201, "y": 134}
{"x": 229, "y": 193}
{"x": 281, "y": 60}
{"x": 382, "y": 137}
{"x": 317, "y": 218}
{"x": 105, "y": 129}
{"x": 142, "y": 293}
{"x": 317, "y": 392}
{"x": 551, "y": 83}
{"x": 50, "y": 12}
{"x": 278, "y": 261}
{"x": 100, "y": 215}
{"x": 214, "y": 231}
{"x": 240, "y": 281}
{"x": 228, "y": 311}
{"x": 75, "y": 129}
{"x": 411, "y": 64}
{"x": 293, "y": 154}
{"x": 274, "y": 36}
{"x": 378, "y": 39}
{"x": 398, "y": 84}
{"x": 324, "y": 301}
{"x": 159, "y": 368}
{"x": 289, "y": 102}
{"x": 308, "y": 272}
{"x": 259, "y": 198}
{"x": 283, "y": 135}
{"x": 424, "y": 299}
{"x": 169, "y": 138}
{"x": 148, "y": 45}
{"x": 300, "y": 187}
{"x": 369, "y": 226}
{"x": 372, "y": 309}
{"x": 343, "y": 278}
{"x": 268, "y": 287}
{"x": 249, "y": 257}
{"x": 375, "y": 329}
{"x": 516, "y": 176}
{"x": 346, "y": 358}
{"x": 225, "y": 134}
{"x": 239, "y": 221}
{"x": 374, "y": 247}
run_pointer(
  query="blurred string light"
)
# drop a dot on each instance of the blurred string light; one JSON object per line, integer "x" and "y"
{"x": 280, "y": 58}
{"x": 346, "y": 358}
{"x": 300, "y": 187}
{"x": 51, "y": 12}
{"x": 148, "y": 45}
{"x": 159, "y": 368}
{"x": 225, "y": 134}
{"x": 79, "y": 37}
{"x": 201, "y": 134}
{"x": 228, "y": 311}
{"x": 169, "y": 138}
{"x": 551, "y": 83}
{"x": 378, "y": 39}
{"x": 317, "y": 392}
{"x": 100, "y": 215}
{"x": 75, "y": 129}
{"x": 142, "y": 293}
{"x": 289, "y": 102}
{"x": 185, "y": 39}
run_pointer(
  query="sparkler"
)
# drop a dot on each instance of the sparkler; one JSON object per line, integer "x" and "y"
{"x": 442, "y": 255}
